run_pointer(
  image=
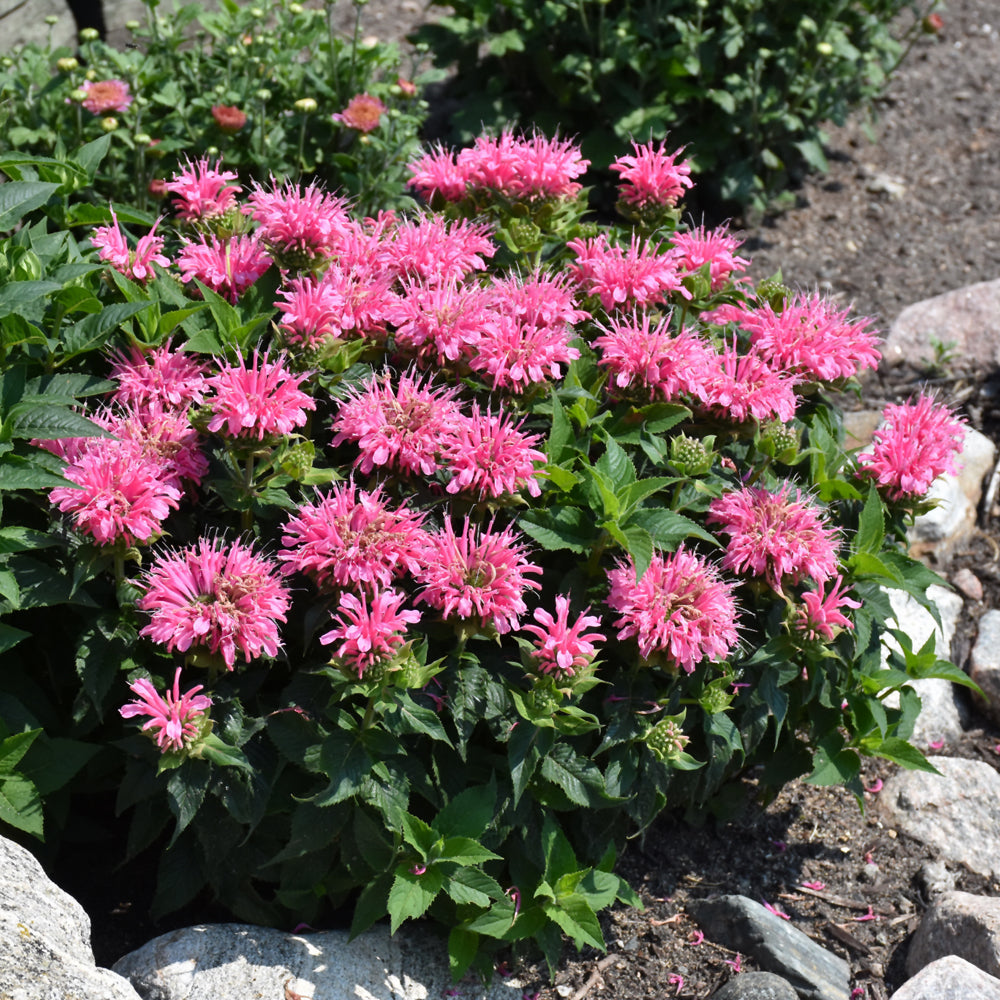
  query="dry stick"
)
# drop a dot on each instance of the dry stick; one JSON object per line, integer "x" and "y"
{"x": 851, "y": 904}
{"x": 595, "y": 976}
{"x": 844, "y": 936}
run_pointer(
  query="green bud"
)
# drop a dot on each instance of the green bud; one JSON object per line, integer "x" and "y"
{"x": 67, "y": 64}
{"x": 78, "y": 96}
{"x": 824, "y": 48}
{"x": 781, "y": 440}
{"x": 691, "y": 456}
{"x": 306, "y": 105}
{"x": 53, "y": 19}
{"x": 256, "y": 12}
{"x": 109, "y": 124}
{"x": 89, "y": 34}
{"x": 143, "y": 139}
{"x": 666, "y": 739}
{"x": 232, "y": 50}
{"x": 212, "y": 151}
{"x": 807, "y": 24}
{"x": 295, "y": 8}
{"x": 263, "y": 94}
{"x": 133, "y": 25}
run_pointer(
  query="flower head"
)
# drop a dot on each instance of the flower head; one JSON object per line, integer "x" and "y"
{"x": 916, "y": 443}
{"x": 743, "y": 385}
{"x": 775, "y": 535}
{"x": 715, "y": 248}
{"x": 160, "y": 377}
{"x": 820, "y": 612}
{"x": 229, "y": 118}
{"x": 298, "y": 224}
{"x": 227, "y": 266}
{"x": 121, "y": 495}
{"x": 440, "y": 323}
{"x": 259, "y": 401}
{"x": 434, "y": 250}
{"x": 369, "y": 631}
{"x": 437, "y": 172}
{"x": 104, "y": 96}
{"x": 352, "y": 538}
{"x": 135, "y": 264}
{"x": 363, "y": 113}
{"x": 202, "y": 191}
{"x": 652, "y": 176}
{"x": 562, "y": 649}
{"x": 681, "y": 609}
{"x": 479, "y": 575}
{"x": 406, "y": 428}
{"x": 215, "y": 597}
{"x": 173, "y": 717}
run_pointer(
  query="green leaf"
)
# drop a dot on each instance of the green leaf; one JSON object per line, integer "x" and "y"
{"x": 903, "y": 753}
{"x": 557, "y": 850}
{"x": 574, "y": 915}
{"x": 10, "y": 636}
{"x": 186, "y": 791}
{"x": 95, "y": 330}
{"x": 90, "y": 155}
{"x": 871, "y": 525}
{"x": 576, "y": 776}
{"x": 44, "y": 422}
{"x": 419, "y": 835}
{"x": 463, "y": 945}
{"x": 560, "y": 433}
{"x": 20, "y": 803}
{"x": 346, "y": 761}
{"x": 18, "y": 472}
{"x": 668, "y": 528}
{"x": 213, "y": 749}
{"x": 13, "y": 748}
{"x": 640, "y": 548}
{"x": 468, "y": 814}
{"x": 616, "y": 465}
{"x": 406, "y": 716}
{"x": 52, "y": 762}
{"x": 471, "y": 886}
{"x": 18, "y": 198}
{"x": 465, "y": 851}
{"x": 559, "y": 528}
{"x": 17, "y": 296}
{"x": 371, "y": 905}
{"x": 411, "y": 895}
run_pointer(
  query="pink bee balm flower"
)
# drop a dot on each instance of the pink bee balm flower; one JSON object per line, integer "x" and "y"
{"x": 809, "y": 337}
{"x": 173, "y": 718}
{"x": 561, "y": 649}
{"x": 656, "y": 362}
{"x": 740, "y": 386}
{"x": 640, "y": 275}
{"x": 215, "y": 597}
{"x": 228, "y": 266}
{"x": 158, "y": 377}
{"x": 351, "y": 538}
{"x": 105, "y": 96}
{"x": 370, "y": 632}
{"x": 202, "y": 190}
{"x": 122, "y": 495}
{"x": 434, "y": 250}
{"x": 259, "y": 401}
{"x": 441, "y": 323}
{"x": 916, "y": 443}
{"x": 489, "y": 456}
{"x": 681, "y": 609}
{"x": 652, "y": 176}
{"x": 298, "y": 225}
{"x": 712, "y": 247}
{"x": 406, "y": 428}
{"x": 437, "y": 172}
{"x": 775, "y": 535}
{"x": 167, "y": 438}
{"x": 363, "y": 113}
{"x": 479, "y": 575}
{"x": 135, "y": 264}
{"x": 821, "y": 614}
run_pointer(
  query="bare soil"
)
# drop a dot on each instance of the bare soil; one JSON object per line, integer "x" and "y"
{"x": 908, "y": 209}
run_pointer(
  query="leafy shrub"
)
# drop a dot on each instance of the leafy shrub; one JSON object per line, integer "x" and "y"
{"x": 746, "y": 84}
{"x": 418, "y": 572}
{"x": 266, "y": 86}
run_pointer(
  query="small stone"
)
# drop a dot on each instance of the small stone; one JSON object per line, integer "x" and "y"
{"x": 985, "y": 662}
{"x": 949, "y": 978}
{"x": 869, "y": 873}
{"x": 935, "y": 878}
{"x": 968, "y": 583}
{"x": 756, "y": 986}
{"x": 564, "y": 990}
{"x": 962, "y": 924}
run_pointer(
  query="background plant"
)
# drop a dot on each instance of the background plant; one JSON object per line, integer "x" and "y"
{"x": 453, "y": 766}
{"x": 276, "y": 73}
{"x": 745, "y": 84}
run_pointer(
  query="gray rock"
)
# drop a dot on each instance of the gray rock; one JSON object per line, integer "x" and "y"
{"x": 756, "y": 986}
{"x": 237, "y": 961}
{"x": 944, "y": 713}
{"x": 985, "y": 662}
{"x": 935, "y": 878}
{"x": 966, "y": 318}
{"x": 45, "y": 951}
{"x": 744, "y": 925}
{"x": 950, "y": 978}
{"x": 958, "y": 923}
{"x": 957, "y": 811}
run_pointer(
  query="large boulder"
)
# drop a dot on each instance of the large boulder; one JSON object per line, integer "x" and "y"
{"x": 45, "y": 951}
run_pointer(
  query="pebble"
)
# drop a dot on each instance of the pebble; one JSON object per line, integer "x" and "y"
{"x": 968, "y": 583}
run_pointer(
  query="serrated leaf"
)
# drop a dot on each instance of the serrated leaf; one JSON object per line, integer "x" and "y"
{"x": 346, "y": 761}
{"x": 471, "y": 886}
{"x": 468, "y": 814}
{"x": 411, "y": 895}
{"x": 903, "y": 753}
{"x": 576, "y": 776}
{"x": 668, "y": 528}
{"x": 639, "y": 543}
{"x": 186, "y": 791}
{"x": 45, "y": 422}
{"x": 17, "y": 296}
{"x": 871, "y": 525}
{"x": 616, "y": 465}
{"x": 418, "y": 834}
{"x": 559, "y": 528}
{"x": 406, "y": 716}
{"x": 371, "y": 905}
{"x": 13, "y": 748}
{"x": 10, "y": 636}
{"x": 96, "y": 329}
{"x": 21, "y": 805}
{"x": 18, "y": 198}
{"x": 465, "y": 851}
{"x": 463, "y": 945}
{"x": 574, "y": 915}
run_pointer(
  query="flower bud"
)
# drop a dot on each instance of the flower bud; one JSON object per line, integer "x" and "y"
{"x": 67, "y": 64}
{"x": 109, "y": 124}
{"x": 89, "y": 34}
{"x": 295, "y": 8}
{"x": 824, "y": 48}
{"x": 133, "y": 25}
{"x": 932, "y": 24}
{"x": 691, "y": 456}
{"x": 78, "y": 96}
{"x": 212, "y": 151}
{"x": 143, "y": 139}
{"x": 232, "y": 50}
{"x": 666, "y": 739}
{"x": 53, "y": 19}
{"x": 306, "y": 105}
{"x": 256, "y": 12}
{"x": 263, "y": 94}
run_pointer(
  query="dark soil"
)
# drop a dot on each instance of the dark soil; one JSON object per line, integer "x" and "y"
{"x": 907, "y": 210}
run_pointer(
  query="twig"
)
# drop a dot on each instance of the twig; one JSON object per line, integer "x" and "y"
{"x": 13, "y": 10}
{"x": 844, "y": 936}
{"x": 829, "y": 897}
{"x": 595, "y": 977}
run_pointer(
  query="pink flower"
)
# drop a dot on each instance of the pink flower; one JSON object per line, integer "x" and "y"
{"x": 657, "y": 363}
{"x": 875, "y": 787}
{"x": 259, "y": 401}
{"x": 681, "y": 608}
{"x": 436, "y": 172}
{"x": 105, "y": 96}
{"x": 696, "y": 938}
{"x": 406, "y": 428}
{"x": 490, "y": 457}
{"x": 652, "y": 177}
{"x": 479, "y": 575}
{"x": 202, "y": 190}
{"x": 739, "y": 386}
{"x": 229, "y": 118}
{"x": 441, "y": 323}
{"x": 122, "y": 495}
{"x": 640, "y": 275}
{"x": 352, "y": 538}
{"x": 167, "y": 439}
{"x": 561, "y": 649}
{"x": 712, "y": 247}
{"x": 821, "y": 612}
{"x": 522, "y": 168}
{"x": 216, "y": 597}
{"x": 369, "y": 632}
{"x": 916, "y": 443}
{"x": 435, "y": 250}
{"x": 136, "y": 265}
{"x": 809, "y": 337}
{"x": 174, "y": 718}
{"x": 158, "y": 377}
{"x": 774, "y": 535}
{"x": 228, "y": 266}
{"x": 299, "y": 225}
{"x": 363, "y": 113}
